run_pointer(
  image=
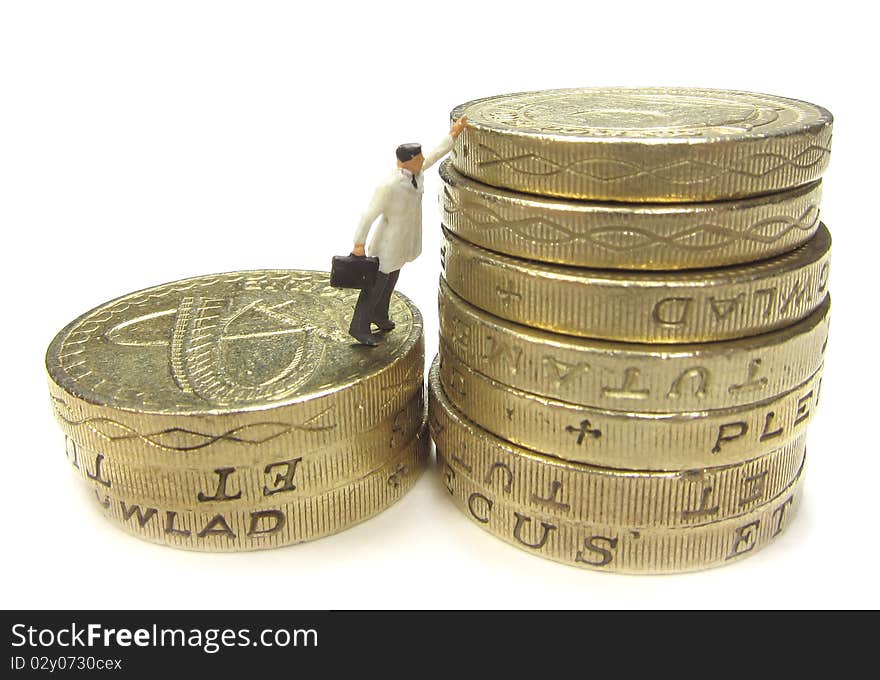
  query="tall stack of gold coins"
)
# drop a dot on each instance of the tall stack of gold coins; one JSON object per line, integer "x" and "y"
{"x": 232, "y": 412}
{"x": 634, "y": 315}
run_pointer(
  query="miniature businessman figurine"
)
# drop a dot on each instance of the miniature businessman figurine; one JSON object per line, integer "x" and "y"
{"x": 397, "y": 238}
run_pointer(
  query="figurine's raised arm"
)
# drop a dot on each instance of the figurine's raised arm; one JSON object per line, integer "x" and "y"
{"x": 446, "y": 145}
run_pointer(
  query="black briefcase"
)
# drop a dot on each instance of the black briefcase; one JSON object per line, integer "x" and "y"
{"x": 351, "y": 271}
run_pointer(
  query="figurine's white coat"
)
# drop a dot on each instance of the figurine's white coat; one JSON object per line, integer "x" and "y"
{"x": 397, "y": 238}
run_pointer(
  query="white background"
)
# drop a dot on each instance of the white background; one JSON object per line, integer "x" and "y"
{"x": 142, "y": 142}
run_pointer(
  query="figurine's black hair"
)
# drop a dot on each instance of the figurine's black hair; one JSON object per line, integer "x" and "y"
{"x": 406, "y": 152}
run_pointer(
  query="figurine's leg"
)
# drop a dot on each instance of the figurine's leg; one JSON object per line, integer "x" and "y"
{"x": 363, "y": 312}
{"x": 380, "y": 313}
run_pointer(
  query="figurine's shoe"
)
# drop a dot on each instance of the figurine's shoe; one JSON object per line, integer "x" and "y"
{"x": 365, "y": 337}
{"x": 385, "y": 324}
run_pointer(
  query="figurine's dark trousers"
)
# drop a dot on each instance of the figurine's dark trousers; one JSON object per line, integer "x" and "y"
{"x": 372, "y": 305}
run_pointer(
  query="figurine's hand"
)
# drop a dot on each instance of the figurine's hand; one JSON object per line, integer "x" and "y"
{"x": 358, "y": 250}
{"x": 458, "y": 127}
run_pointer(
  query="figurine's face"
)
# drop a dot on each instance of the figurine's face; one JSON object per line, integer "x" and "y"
{"x": 414, "y": 164}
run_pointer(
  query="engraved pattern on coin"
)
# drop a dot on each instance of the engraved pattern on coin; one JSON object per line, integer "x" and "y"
{"x": 681, "y": 173}
{"x": 207, "y": 353}
{"x": 602, "y": 235}
{"x": 180, "y": 439}
{"x": 652, "y": 144}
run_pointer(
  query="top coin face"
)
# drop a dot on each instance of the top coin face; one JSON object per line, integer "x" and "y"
{"x": 228, "y": 343}
{"x": 652, "y": 144}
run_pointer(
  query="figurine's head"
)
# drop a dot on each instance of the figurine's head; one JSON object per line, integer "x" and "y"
{"x": 409, "y": 157}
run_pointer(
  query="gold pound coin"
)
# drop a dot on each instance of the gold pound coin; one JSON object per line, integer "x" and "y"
{"x": 628, "y": 376}
{"x": 634, "y": 236}
{"x": 627, "y": 550}
{"x": 220, "y": 526}
{"x": 245, "y": 362}
{"x": 583, "y": 493}
{"x": 629, "y": 439}
{"x": 246, "y": 478}
{"x": 651, "y": 307}
{"x": 651, "y": 144}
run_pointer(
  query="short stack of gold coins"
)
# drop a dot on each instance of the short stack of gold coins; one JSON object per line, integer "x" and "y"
{"x": 232, "y": 412}
{"x": 633, "y": 316}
